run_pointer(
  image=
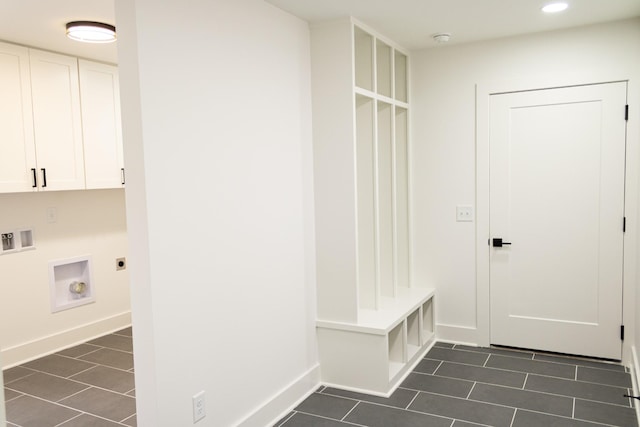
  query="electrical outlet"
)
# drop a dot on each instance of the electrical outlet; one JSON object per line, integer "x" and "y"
{"x": 199, "y": 408}
{"x": 121, "y": 264}
{"x": 52, "y": 215}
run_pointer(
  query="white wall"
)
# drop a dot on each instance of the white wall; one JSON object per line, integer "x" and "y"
{"x": 444, "y": 150}
{"x": 216, "y": 121}
{"x": 3, "y": 416}
{"x": 88, "y": 223}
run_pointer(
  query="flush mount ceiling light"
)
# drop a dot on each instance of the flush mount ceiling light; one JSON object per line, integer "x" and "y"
{"x": 555, "y": 7}
{"x": 91, "y": 32}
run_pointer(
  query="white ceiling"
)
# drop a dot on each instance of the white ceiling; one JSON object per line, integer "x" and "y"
{"x": 410, "y": 23}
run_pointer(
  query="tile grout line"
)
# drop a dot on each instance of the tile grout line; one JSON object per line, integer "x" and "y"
{"x": 330, "y": 419}
{"x": 573, "y": 409}
{"x": 70, "y": 419}
{"x": 438, "y": 367}
{"x": 513, "y": 417}
{"x": 471, "y": 390}
{"x": 88, "y": 385}
{"x": 78, "y": 357}
{"x": 569, "y": 362}
{"x": 284, "y": 421}
{"x": 524, "y": 386}
{"x": 71, "y": 395}
{"x": 350, "y": 410}
{"x": 484, "y": 365}
{"x": 525, "y": 372}
{"x": 18, "y": 379}
{"x": 412, "y": 400}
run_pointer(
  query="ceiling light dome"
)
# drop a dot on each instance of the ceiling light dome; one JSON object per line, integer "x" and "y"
{"x": 91, "y": 32}
{"x": 555, "y": 7}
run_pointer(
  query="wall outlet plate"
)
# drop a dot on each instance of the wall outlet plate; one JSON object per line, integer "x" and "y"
{"x": 199, "y": 408}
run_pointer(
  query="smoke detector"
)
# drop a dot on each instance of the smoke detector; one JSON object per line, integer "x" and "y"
{"x": 441, "y": 37}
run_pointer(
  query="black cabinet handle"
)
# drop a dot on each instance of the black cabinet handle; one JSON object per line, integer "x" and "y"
{"x": 498, "y": 243}
{"x": 44, "y": 177}
{"x": 35, "y": 177}
{"x": 122, "y": 175}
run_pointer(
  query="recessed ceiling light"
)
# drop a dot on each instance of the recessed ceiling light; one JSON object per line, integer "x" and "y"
{"x": 555, "y": 7}
{"x": 91, "y": 32}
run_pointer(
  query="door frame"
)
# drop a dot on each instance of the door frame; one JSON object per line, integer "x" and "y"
{"x": 482, "y": 333}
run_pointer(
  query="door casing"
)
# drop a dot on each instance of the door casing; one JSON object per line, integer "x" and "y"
{"x": 480, "y": 334}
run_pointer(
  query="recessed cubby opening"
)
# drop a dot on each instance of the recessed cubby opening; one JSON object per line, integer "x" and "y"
{"x": 413, "y": 334}
{"x": 365, "y": 200}
{"x": 400, "y": 76}
{"x": 363, "y": 50}
{"x": 26, "y": 239}
{"x": 384, "y": 200}
{"x": 396, "y": 350}
{"x": 401, "y": 202}
{"x": 71, "y": 283}
{"x": 427, "y": 320}
{"x": 383, "y": 68}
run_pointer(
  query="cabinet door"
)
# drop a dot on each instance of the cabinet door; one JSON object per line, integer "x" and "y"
{"x": 56, "y": 119}
{"x": 101, "y": 127}
{"x": 17, "y": 149}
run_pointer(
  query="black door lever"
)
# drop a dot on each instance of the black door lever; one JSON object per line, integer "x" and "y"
{"x": 498, "y": 243}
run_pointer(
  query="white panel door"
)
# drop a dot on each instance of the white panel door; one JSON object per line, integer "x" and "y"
{"x": 101, "y": 127}
{"x": 557, "y": 162}
{"x": 17, "y": 149}
{"x": 57, "y": 120}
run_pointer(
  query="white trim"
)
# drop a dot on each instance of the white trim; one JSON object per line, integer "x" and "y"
{"x": 483, "y": 92}
{"x": 458, "y": 335}
{"x": 284, "y": 401}
{"x": 43, "y": 346}
{"x": 635, "y": 370}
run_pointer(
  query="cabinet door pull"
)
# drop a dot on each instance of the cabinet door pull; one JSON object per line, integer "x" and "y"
{"x": 122, "y": 175}
{"x": 44, "y": 177}
{"x": 35, "y": 177}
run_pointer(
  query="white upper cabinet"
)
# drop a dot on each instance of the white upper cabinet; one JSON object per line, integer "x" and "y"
{"x": 17, "y": 149}
{"x": 57, "y": 121}
{"x": 60, "y": 126}
{"x": 101, "y": 126}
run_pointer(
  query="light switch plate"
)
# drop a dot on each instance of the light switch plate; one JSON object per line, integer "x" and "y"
{"x": 464, "y": 213}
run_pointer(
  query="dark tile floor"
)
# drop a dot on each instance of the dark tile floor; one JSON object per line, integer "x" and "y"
{"x": 463, "y": 386}
{"x": 90, "y": 385}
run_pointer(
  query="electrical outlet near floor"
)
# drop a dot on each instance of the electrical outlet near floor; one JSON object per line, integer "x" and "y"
{"x": 121, "y": 264}
{"x": 199, "y": 409}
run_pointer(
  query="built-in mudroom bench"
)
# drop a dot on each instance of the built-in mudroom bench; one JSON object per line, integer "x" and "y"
{"x": 374, "y": 324}
{"x": 374, "y": 354}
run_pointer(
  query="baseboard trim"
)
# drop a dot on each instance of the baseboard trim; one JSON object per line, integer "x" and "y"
{"x": 34, "y": 349}
{"x": 457, "y": 334}
{"x": 285, "y": 400}
{"x": 635, "y": 371}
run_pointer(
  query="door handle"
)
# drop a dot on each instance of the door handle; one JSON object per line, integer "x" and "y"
{"x": 498, "y": 243}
